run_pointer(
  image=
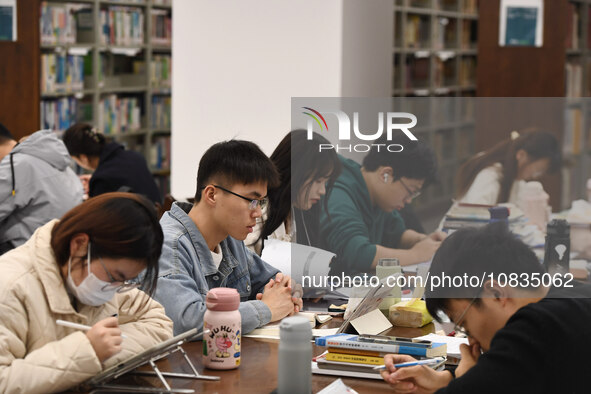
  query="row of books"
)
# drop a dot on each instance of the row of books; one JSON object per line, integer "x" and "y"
{"x": 417, "y": 32}
{"x": 160, "y": 153}
{"x": 122, "y": 26}
{"x": 59, "y": 114}
{"x": 465, "y": 6}
{"x": 445, "y": 35}
{"x": 161, "y": 27}
{"x": 161, "y": 112}
{"x": 61, "y": 73}
{"x": 58, "y": 23}
{"x": 352, "y": 355}
{"x": 467, "y": 72}
{"x": 573, "y": 79}
{"x": 161, "y": 71}
{"x": 118, "y": 115}
{"x": 572, "y": 138}
{"x": 574, "y": 27}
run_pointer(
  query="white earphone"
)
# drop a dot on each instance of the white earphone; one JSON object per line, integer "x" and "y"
{"x": 385, "y": 178}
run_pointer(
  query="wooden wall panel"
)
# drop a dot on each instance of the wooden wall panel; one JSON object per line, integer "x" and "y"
{"x": 19, "y": 73}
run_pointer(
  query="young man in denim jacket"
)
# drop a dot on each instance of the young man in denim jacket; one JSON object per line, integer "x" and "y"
{"x": 203, "y": 245}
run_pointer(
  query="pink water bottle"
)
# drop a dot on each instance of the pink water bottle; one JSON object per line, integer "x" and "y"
{"x": 535, "y": 204}
{"x": 221, "y": 329}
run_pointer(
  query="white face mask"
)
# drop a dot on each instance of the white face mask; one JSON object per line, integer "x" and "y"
{"x": 90, "y": 291}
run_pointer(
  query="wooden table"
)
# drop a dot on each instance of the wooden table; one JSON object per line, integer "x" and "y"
{"x": 258, "y": 370}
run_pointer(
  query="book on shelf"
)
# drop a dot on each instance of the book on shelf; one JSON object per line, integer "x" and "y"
{"x": 469, "y": 6}
{"x": 161, "y": 33}
{"x": 351, "y": 341}
{"x": 122, "y": 26}
{"x": 59, "y": 114}
{"x": 572, "y": 26}
{"x": 61, "y": 73}
{"x": 160, "y": 153}
{"x": 161, "y": 112}
{"x": 416, "y": 34}
{"x": 58, "y": 23}
{"x": 118, "y": 115}
{"x": 574, "y": 78}
{"x": 161, "y": 71}
{"x": 573, "y": 130}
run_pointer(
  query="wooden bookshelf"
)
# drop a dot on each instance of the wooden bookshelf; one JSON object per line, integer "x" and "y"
{"x": 434, "y": 65}
{"x": 79, "y": 69}
{"x": 560, "y": 68}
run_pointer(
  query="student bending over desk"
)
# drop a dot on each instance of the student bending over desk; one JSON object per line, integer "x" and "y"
{"x": 79, "y": 269}
{"x": 362, "y": 225}
{"x": 534, "y": 339}
{"x": 203, "y": 245}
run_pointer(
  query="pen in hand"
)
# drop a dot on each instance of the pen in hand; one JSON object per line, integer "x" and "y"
{"x": 77, "y": 326}
{"x": 431, "y": 361}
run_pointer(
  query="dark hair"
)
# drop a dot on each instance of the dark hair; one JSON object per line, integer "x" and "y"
{"x": 415, "y": 161}
{"x": 119, "y": 225}
{"x": 233, "y": 162}
{"x": 81, "y": 139}
{"x": 5, "y": 135}
{"x": 538, "y": 145}
{"x": 471, "y": 252}
{"x": 298, "y": 160}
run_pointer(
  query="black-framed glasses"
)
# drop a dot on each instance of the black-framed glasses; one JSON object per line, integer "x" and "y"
{"x": 121, "y": 287}
{"x": 412, "y": 195}
{"x": 458, "y": 325}
{"x": 253, "y": 203}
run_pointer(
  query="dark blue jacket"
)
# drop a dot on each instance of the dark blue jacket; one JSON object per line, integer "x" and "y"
{"x": 123, "y": 170}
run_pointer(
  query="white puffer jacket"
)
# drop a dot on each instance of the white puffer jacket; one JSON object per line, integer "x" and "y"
{"x": 38, "y": 356}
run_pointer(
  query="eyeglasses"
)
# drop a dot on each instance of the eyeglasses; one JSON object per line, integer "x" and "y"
{"x": 412, "y": 195}
{"x": 253, "y": 203}
{"x": 121, "y": 287}
{"x": 458, "y": 325}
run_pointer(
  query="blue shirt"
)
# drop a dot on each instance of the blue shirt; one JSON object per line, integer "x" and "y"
{"x": 187, "y": 272}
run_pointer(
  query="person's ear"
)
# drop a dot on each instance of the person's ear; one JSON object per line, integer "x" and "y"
{"x": 385, "y": 174}
{"x": 79, "y": 245}
{"x": 209, "y": 195}
{"x": 492, "y": 290}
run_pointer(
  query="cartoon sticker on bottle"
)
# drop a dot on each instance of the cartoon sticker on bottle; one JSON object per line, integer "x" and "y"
{"x": 222, "y": 343}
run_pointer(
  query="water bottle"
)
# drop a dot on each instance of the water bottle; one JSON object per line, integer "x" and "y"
{"x": 294, "y": 374}
{"x": 534, "y": 204}
{"x": 221, "y": 329}
{"x": 557, "y": 247}
{"x": 388, "y": 267}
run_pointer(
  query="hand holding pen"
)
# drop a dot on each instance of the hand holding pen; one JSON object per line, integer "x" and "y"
{"x": 105, "y": 336}
{"x": 413, "y": 378}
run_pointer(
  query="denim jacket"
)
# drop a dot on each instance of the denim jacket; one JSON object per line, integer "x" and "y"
{"x": 187, "y": 272}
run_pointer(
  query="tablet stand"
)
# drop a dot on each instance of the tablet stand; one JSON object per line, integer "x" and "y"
{"x": 106, "y": 388}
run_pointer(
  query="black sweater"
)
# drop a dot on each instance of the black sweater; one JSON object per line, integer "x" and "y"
{"x": 119, "y": 168}
{"x": 545, "y": 347}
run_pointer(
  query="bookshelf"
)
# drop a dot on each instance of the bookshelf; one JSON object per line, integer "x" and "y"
{"x": 433, "y": 76}
{"x": 108, "y": 63}
{"x": 576, "y": 138}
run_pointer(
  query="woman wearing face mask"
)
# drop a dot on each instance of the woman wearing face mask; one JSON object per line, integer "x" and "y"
{"x": 82, "y": 269}
{"x": 306, "y": 175}
{"x": 496, "y": 175}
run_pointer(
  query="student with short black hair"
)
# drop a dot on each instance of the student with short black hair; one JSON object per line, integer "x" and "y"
{"x": 534, "y": 339}
{"x": 203, "y": 245}
{"x": 364, "y": 224}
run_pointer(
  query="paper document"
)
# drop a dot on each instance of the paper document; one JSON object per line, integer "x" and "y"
{"x": 453, "y": 343}
{"x": 298, "y": 261}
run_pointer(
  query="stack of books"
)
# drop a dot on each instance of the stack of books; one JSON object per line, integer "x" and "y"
{"x": 357, "y": 355}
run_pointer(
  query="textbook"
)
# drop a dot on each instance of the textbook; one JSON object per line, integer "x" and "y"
{"x": 354, "y": 358}
{"x": 348, "y": 341}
